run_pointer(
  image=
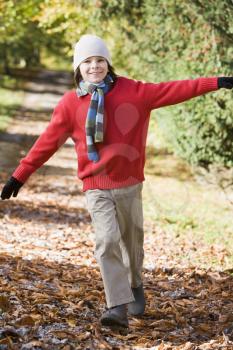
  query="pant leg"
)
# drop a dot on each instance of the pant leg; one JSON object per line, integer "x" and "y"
{"x": 107, "y": 250}
{"x": 130, "y": 218}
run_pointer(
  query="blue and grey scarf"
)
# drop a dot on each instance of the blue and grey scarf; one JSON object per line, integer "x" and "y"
{"x": 95, "y": 114}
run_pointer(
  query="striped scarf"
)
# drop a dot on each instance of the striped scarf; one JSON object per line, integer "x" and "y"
{"x": 95, "y": 114}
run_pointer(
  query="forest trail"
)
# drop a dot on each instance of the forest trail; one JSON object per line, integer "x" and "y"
{"x": 52, "y": 195}
{"x": 51, "y": 294}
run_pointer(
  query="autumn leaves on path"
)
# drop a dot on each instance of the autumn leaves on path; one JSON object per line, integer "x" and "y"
{"x": 51, "y": 293}
{"x": 51, "y": 305}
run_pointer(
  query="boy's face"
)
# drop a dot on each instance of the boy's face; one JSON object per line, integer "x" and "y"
{"x": 94, "y": 69}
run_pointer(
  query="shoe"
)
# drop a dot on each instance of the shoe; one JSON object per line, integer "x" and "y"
{"x": 115, "y": 317}
{"x": 137, "y": 307}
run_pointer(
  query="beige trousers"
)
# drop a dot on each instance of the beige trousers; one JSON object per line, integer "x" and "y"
{"x": 118, "y": 223}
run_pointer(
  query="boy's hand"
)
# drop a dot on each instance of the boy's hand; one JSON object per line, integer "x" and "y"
{"x": 11, "y": 187}
{"x": 225, "y": 82}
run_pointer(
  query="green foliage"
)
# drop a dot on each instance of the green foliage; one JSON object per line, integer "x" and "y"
{"x": 202, "y": 128}
{"x": 19, "y": 34}
{"x": 152, "y": 41}
{"x": 178, "y": 40}
{"x": 29, "y": 26}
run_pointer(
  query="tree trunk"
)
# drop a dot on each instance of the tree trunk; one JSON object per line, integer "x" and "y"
{"x": 6, "y": 67}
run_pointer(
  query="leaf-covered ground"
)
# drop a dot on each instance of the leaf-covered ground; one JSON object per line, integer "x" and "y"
{"x": 51, "y": 293}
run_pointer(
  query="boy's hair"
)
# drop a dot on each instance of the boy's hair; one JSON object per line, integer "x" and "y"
{"x": 78, "y": 76}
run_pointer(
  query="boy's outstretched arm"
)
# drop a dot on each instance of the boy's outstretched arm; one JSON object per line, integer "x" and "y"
{"x": 173, "y": 92}
{"x": 56, "y": 133}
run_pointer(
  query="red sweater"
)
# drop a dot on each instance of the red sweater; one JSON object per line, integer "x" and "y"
{"x": 126, "y": 117}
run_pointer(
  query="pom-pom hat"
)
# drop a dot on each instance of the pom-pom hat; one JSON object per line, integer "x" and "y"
{"x": 89, "y": 45}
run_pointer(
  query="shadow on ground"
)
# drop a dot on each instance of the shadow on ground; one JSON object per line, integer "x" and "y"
{"x": 46, "y": 213}
{"x": 42, "y": 76}
{"x": 24, "y": 140}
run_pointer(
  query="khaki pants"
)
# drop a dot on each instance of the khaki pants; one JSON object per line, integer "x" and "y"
{"x": 118, "y": 223}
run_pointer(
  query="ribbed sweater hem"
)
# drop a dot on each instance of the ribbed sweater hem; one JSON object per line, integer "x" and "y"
{"x": 22, "y": 173}
{"x": 210, "y": 84}
{"x": 105, "y": 182}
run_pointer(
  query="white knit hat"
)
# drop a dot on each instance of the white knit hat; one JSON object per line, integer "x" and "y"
{"x": 87, "y": 46}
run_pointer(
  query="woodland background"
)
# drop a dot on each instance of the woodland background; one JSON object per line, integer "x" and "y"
{"x": 149, "y": 40}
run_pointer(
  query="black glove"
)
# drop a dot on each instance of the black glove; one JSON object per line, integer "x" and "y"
{"x": 12, "y": 186}
{"x": 225, "y": 82}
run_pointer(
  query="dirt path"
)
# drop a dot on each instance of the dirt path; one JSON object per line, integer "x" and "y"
{"x": 51, "y": 294}
{"x": 52, "y": 194}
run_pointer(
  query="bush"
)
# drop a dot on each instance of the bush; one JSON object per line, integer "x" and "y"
{"x": 201, "y": 131}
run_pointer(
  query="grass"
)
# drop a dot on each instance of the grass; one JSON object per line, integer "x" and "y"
{"x": 11, "y": 98}
{"x": 187, "y": 210}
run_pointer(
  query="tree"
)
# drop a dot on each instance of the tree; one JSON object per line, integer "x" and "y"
{"x": 19, "y": 31}
{"x": 176, "y": 40}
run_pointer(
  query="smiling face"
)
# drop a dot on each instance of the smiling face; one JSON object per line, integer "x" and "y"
{"x": 94, "y": 69}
